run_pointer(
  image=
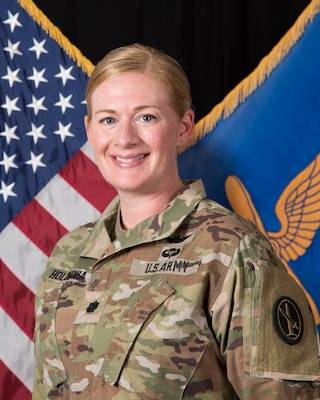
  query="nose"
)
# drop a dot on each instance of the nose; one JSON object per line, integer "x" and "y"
{"x": 126, "y": 135}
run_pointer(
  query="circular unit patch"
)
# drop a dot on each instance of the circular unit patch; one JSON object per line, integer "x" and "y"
{"x": 288, "y": 320}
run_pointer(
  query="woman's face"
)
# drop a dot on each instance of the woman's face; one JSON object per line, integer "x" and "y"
{"x": 135, "y": 132}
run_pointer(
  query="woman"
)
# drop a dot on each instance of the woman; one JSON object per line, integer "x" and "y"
{"x": 169, "y": 295}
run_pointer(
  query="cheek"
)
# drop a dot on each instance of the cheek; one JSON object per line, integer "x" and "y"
{"x": 163, "y": 140}
{"x": 169, "y": 145}
{"x": 98, "y": 142}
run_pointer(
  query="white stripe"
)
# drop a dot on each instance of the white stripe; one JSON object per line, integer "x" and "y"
{"x": 16, "y": 350}
{"x": 24, "y": 259}
{"x": 65, "y": 204}
{"x": 88, "y": 151}
{"x": 216, "y": 256}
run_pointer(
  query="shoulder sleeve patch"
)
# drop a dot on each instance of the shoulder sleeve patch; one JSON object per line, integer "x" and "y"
{"x": 288, "y": 321}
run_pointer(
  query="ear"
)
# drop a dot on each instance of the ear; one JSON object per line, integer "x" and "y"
{"x": 87, "y": 127}
{"x": 186, "y": 128}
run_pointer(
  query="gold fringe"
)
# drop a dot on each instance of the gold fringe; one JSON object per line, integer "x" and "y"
{"x": 55, "y": 33}
{"x": 247, "y": 86}
{"x": 233, "y": 99}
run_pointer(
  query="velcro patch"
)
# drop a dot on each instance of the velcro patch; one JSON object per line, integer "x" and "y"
{"x": 175, "y": 267}
{"x": 92, "y": 307}
{"x": 77, "y": 275}
{"x": 280, "y": 327}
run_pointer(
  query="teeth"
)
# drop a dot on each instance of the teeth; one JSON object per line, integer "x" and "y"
{"x": 128, "y": 160}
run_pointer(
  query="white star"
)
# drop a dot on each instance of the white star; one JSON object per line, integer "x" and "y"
{"x": 37, "y": 105}
{"x": 12, "y": 76}
{"x": 9, "y": 133}
{"x": 38, "y": 47}
{"x": 64, "y": 103}
{"x": 7, "y": 162}
{"x": 6, "y": 191}
{"x": 13, "y": 49}
{"x": 12, "y": 21}
{"x": 35, "y": 161}
{"x": 65, "y": 74}
{"x": 37, "y": 77}
{"x": 10, "y": 105}
{"x": 63, "y": 131}
{"x": 36, "y": 132}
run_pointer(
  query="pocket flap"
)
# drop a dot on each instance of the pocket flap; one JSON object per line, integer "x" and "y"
{"x": 125, "y": 334}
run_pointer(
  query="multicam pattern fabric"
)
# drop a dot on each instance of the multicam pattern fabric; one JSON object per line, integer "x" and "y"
{"x": 190, "y": 304}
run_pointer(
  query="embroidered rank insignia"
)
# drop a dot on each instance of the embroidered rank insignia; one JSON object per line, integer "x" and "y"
{"x": 92, "y": 306}
{"x": 288, "y": 320}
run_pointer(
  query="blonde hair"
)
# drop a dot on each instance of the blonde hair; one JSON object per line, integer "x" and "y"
{"x": 144, "y": 59}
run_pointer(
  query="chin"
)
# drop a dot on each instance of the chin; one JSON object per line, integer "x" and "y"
{"x": 131, "y": 186}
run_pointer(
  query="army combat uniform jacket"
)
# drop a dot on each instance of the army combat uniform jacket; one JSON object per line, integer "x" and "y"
{"x": 190, "y": 304}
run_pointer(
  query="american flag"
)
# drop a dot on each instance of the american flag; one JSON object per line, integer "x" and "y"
{"x": 49, "y": 182}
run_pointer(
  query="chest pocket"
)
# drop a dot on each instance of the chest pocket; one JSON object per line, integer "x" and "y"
{"x": 158, "y": 344}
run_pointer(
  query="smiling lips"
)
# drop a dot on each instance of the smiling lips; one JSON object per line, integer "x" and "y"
{"x": 129, "y": 160}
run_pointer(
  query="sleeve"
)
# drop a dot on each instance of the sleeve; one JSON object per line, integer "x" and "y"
{"x": 270, "y": 342}
{"x": 49, "y": 371}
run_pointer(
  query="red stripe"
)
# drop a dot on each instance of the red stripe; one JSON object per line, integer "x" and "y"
{"x": 10, "y": 386}
{"x": 39, "y": 226}
{"x": 84, "y": 176}
{"x": 17, "y": 300}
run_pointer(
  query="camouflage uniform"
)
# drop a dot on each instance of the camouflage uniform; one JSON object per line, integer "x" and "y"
{"x": 189, "y": 304}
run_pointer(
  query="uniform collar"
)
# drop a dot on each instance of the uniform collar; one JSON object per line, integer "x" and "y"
{"x": 156, "y": 227}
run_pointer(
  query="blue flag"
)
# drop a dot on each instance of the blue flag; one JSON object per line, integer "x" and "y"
{"x": 258, "y": 151}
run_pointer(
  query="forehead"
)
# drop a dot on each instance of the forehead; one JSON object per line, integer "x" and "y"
{"x": 131, "y": 82}
{"x": 129, "y": 92}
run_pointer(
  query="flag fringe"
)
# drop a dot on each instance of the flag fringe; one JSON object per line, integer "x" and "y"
{"x": 54, "y": 32}
{"x": 247, "y": 86}
{"x": 233, "y": 99}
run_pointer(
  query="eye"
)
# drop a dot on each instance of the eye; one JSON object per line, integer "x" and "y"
{"x": 108, "y": 120}
{"x": 148, "y": 118}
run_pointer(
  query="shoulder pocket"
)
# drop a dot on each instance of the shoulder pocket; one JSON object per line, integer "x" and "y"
{"x": 281, "y": 339}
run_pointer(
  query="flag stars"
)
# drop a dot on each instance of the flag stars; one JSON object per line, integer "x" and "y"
{"x": 12, "y": 76}
{"x": 9, "y": 133}
{"x": 10, "y": 105}
{"x": 64, "y": 103}
{"x": 65, "y": 74}
{"x": 13, "y": 49}
{"x": 35, "y": 161}
{"x": 36, "y": 133}
{"x": 38, "y": 48}
{"x": 64, "y": 131}
{"x": 37, "y": 104}
{"x": 7, "y": 162}
{"x": 37, "y": 77}
{"x": 38, "y": 109}
{"x": 6, "y": 191}
{"x": 12, "y": 21}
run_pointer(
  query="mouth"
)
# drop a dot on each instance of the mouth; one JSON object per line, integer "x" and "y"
{"x": 129, "y": 160}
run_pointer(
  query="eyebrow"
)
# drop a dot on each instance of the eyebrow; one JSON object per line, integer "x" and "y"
{"x": 138, "y": 108}
{"x": 106, "y": 111}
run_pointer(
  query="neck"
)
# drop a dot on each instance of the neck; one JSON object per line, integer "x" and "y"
{"x": 135, "y": 208}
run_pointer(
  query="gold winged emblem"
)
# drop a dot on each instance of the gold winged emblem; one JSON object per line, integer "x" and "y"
{"x": 297, "y": 210}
